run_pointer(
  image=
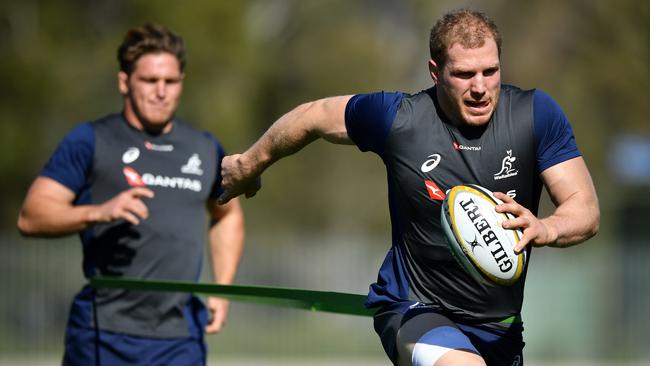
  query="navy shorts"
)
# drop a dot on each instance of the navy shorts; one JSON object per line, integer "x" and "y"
{"x": 87, "y": 346}
{"x": 499, "y": 343}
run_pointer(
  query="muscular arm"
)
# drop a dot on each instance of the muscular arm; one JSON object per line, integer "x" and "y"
{"x": 226, "y": 238}
{"x": 323, "y": 118}
{"x": 576, "y": 217}
{"x": 49, "y": 211}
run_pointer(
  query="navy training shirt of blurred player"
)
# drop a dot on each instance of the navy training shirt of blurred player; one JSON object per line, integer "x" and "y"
{"x": 467, "y": 129}
{"x": 136, "y": 185}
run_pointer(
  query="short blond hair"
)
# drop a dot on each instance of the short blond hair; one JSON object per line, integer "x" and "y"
{"x": 468, "y": 27}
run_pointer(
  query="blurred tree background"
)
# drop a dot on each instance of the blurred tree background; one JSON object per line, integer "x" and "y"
{"x": 321, "y": 218}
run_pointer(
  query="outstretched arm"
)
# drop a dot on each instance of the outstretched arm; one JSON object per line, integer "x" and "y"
{"x": 49, "y": 209}
{"x": 226, "y": 237}
{"x": 323, "y": 118}
{"x": 576, "y": 217}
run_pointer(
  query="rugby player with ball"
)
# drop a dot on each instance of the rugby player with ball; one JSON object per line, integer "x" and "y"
{"x": 468, "y": 128}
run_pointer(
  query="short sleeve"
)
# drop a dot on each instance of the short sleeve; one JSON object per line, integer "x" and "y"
{"x": 72, "y": 160}
{"x": 369, "y": 118}
{"x": 553, "y": 133}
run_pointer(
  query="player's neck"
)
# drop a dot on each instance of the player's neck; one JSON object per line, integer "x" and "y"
{"x": 139, "y": 123}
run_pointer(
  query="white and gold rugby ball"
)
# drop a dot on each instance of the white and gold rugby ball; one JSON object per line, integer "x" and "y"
{"x": 476, "y": 238}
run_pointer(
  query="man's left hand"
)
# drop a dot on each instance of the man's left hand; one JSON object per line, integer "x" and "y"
{"x": 535, "y": 231}
{"x": 218, "y": 309}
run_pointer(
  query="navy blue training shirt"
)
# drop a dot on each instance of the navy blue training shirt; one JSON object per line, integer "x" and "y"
{"x": 97, "y": 161}
{"x": 369, "y": 118}
{"x": 527, "y": 134}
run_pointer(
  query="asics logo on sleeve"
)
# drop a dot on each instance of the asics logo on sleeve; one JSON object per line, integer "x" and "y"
{"x": 516, "y": 361}
{"x": 130, "y": 155}
{"x": 431, "y": 163}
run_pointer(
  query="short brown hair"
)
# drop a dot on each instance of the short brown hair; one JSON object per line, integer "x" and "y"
{"x": 149, "y": 38}
{"x": 468, "y": 27}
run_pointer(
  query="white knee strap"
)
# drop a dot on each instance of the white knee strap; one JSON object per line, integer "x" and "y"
{"x": 436, "y": 342}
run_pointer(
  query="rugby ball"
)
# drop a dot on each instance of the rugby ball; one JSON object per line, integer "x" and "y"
{"x": 477, "y": 240}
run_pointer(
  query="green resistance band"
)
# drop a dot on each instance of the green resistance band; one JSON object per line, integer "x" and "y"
{"x": 333, "y": 302}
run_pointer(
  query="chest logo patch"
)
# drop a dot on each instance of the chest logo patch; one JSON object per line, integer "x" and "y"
{"x": 459, "y": 147}
{"x": 154, "y": 147}
{"x": 193, "y": 165}
{"x": 507, "y": 168}
{"x": 431, "y": 163}
{"x": 435, "y": 193}
{"x": 130, "y": 155}
{"x": 133, "y": 178}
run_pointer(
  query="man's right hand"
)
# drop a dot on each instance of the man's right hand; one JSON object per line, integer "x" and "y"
{"x": 238, "y": 177}
{"x": 49, "y": 209}
{"x": 127, "y": 205}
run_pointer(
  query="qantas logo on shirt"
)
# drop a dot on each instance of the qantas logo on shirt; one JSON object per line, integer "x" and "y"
{"x": 458, "y": 146}
{"x": 154, "y": 147}
{"x": 435, "y": 193}
{"x": 134, "y": 179}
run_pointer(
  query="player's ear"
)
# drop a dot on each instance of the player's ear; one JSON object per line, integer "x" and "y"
{"x": 123, "y": 83}
{"x": 434, "y": 70}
